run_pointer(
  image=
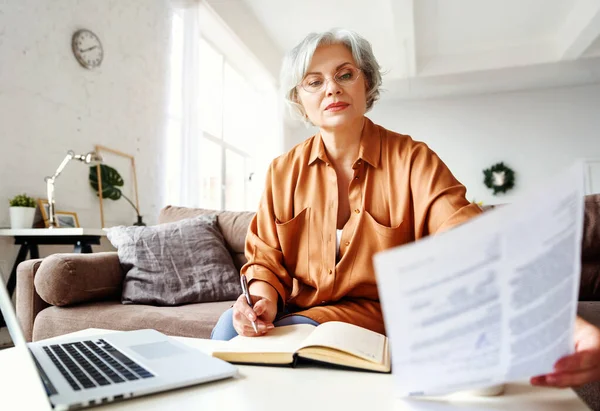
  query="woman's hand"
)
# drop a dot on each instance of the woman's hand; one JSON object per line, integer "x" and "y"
{"x": 264, "y": 312}
{"x": 579, "y": 368}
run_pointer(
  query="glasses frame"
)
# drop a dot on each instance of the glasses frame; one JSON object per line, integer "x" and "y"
{"x": 334, "y": 78}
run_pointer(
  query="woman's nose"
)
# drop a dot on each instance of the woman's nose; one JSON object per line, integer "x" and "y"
{"x": 332, "y": 87}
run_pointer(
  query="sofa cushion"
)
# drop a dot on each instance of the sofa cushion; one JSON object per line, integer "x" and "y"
{"x": 175, "y": 263}
{"x": 233, "y": 224}
{"x": 70, "y": 278}
{"x": 190, "y": 320}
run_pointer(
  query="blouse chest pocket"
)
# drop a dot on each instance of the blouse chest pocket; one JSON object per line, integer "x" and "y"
{"x": 385, "y": 236}
{"x": 294, "y": 241}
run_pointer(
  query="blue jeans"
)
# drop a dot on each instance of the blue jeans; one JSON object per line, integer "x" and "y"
{"x": 224, "y": 329}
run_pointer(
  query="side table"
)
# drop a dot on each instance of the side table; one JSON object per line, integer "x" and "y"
{"x": 29, "y": 239}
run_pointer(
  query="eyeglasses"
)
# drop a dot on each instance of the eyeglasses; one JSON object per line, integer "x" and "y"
{"x": 314, "y": 83}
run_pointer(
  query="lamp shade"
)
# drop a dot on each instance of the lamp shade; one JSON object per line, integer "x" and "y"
{"x": 93, "y": 158}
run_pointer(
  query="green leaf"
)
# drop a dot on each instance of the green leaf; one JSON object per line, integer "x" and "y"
{"x": 111, "y": 179}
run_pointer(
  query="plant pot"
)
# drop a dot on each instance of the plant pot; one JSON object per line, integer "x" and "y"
{"x": 21, "y": 217}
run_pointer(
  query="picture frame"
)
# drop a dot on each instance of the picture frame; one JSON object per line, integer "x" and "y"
{"x": 117, "y": 156}
{"x": 44, "y": 211}
{"x": 64, "y": 219}
{"x": 67, "y": 219}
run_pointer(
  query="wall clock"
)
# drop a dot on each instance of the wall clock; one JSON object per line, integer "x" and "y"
{"x": 87, "y": 49}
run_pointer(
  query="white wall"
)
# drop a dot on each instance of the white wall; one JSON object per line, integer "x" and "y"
{"x": 536, "y": 133}
{"x": 49, "y": 104}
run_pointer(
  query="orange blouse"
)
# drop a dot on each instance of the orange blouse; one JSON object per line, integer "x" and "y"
{"x": 401, "y": 191}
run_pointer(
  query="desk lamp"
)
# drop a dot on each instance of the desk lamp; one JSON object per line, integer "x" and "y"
{"x": 91, "y": 158}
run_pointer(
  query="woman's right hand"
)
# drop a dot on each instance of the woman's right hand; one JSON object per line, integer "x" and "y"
{"x": 264, "y": 312}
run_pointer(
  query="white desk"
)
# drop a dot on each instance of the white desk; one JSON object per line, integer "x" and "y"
{"x": 313, "y": 388}
{"x": 52, "y": 232}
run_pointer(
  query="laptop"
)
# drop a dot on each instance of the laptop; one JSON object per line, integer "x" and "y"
{"x": 73, "y": 373}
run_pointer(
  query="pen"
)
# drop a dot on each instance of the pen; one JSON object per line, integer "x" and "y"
{"x": 244, "y": 282}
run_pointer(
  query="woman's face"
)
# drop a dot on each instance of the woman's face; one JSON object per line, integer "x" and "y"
{"x": 334, "y": 105}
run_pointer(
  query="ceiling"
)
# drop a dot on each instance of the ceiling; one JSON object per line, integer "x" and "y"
{"x": 433, "y": 48}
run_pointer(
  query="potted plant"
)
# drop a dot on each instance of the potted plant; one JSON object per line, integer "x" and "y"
{"x": 22, "y": 211}
{"x": 111, "y": 181}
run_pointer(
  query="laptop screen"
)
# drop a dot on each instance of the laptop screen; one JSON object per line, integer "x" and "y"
{"x": 25, "y": 375}
{"x": 10, "y": 318}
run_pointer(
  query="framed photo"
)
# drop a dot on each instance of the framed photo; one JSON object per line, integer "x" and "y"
{"x": 44, "y": 210}
{"x": 66, "y": 219}
{"x": 113, "y": 212}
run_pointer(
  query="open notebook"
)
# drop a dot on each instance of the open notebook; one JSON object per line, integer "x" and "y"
{"x": 335, "y": 343}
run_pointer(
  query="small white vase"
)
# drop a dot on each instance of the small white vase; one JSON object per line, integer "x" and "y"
{"x": 21, "y": 217}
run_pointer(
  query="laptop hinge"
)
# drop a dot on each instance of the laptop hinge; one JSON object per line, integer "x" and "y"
{"x": 50, "y": 390}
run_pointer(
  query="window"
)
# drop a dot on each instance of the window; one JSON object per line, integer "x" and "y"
{"x": 174, "y": 129}
{"x": 228, "y": 120}
{"x": 223, "y": 117}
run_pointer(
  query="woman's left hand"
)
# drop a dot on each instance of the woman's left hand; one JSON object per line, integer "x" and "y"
{"x": 579, "y": 368}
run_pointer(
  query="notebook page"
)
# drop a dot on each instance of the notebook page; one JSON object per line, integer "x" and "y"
{"x": 281, "y": 339}
{"x": 355, "y": 340}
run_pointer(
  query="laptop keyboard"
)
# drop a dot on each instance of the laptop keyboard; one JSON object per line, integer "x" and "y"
{"x": 90, "y": 364}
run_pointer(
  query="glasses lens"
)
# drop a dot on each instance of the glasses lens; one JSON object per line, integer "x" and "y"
{"x": 313, "y": 83}
{"x": 346, "y": 75}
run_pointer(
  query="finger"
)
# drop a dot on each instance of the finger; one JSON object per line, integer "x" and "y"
{"x": 242, "y": 306}
{"x": 263, "y": 325}
{"x": 580, "y": 361}
{"x": 539, "y": 381}
{"x": 260, "y": 307}
{"x": 563, "y": 380}
{"x": 262, "y": 329}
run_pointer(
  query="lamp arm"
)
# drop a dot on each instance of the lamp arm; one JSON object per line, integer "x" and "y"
{"x": 50, "y": 189}
{"x": 62, "y": 165}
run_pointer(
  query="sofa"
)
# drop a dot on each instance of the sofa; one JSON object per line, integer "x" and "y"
{"x": 83, "y": 290}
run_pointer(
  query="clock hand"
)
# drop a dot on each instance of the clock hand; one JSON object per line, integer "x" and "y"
{"x": 88, "y": 49}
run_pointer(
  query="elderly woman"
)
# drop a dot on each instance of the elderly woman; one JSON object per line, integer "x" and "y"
{"x": 341, "y": 196}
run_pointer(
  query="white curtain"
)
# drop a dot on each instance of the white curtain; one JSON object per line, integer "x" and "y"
{"x": 184, "y": 140}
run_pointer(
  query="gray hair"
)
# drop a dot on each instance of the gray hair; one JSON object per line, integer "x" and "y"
{"x": 296, "y": 64}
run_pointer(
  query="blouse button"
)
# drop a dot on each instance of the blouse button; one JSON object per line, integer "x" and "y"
{"x": 356, "y": 178}
{"x": 347, "y": 242}
{"x": 357, "y": 211}
{"x": 330, "y": 271}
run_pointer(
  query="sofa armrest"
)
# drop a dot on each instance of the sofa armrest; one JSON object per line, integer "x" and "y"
{"x": 28, "y": 303}
{"x": 64, "y": 279}
{"x": 589, "y": 285}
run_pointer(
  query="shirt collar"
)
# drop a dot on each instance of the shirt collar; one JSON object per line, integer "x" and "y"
{"x": 369, "y": 150}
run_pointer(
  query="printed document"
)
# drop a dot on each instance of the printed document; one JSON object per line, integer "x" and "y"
{"x": 491, "y": 301}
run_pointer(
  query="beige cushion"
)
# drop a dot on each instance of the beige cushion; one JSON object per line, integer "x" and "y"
{"x": 64, "y": 279}
{"x": 233, "y": 224}
{"x": 191, "y": 320}
{"x": 174, "y": 263}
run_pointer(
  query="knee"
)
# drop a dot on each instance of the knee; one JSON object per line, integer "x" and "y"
{"x": 224, "y": 330}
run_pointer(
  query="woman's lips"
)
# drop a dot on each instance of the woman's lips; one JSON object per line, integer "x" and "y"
{"x": 337, "y": 107}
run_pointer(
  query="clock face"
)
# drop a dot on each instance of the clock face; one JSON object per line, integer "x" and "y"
{"x": 87, "y": 49}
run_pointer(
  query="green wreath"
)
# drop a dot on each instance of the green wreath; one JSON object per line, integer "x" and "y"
{"x": 499, "y": 178}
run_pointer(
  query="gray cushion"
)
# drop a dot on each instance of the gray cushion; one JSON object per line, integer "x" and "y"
{"x": 175, "y": 263}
